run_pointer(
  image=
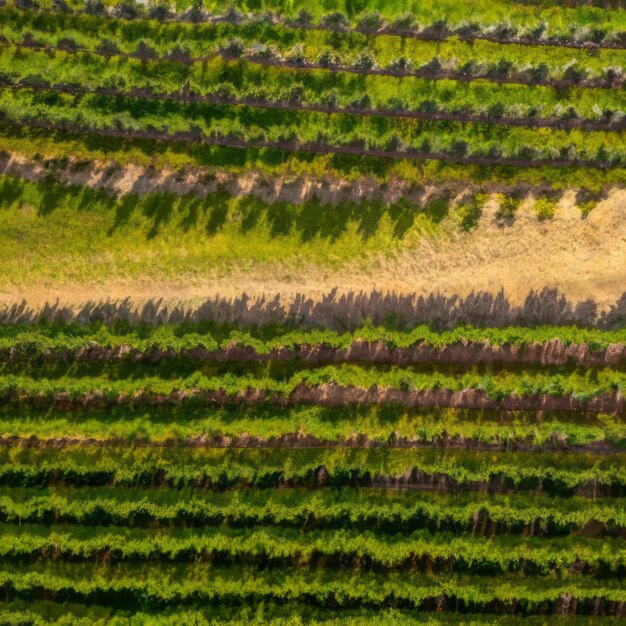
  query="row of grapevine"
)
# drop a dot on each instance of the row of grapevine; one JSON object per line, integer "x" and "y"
{"x": 276, "y": 45}
{"x": 66, "y": 341}
{"x": 226, "y": 467}
{"x": 564, "y": 26}
{"x": 311, "y": 426}
{"x": 441, "y": 551}
{"x": 294, "y": 89}
{"x": 359, "y": 508}
{"x": 295, "y": 130}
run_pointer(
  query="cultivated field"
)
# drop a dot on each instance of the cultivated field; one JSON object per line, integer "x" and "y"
{"x": 313, "y": 313}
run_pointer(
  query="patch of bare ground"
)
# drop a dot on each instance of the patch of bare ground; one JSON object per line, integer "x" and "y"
{"x": 584, "y": 258}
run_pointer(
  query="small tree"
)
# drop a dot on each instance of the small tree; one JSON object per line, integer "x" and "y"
{"x": 327, "y": 59}
{"x": 364, "y": 60}
{"x": 108, "y": 47}
{"x": 159, "y": 10}
{"x": 128, "y": 10}
{"x": 405, "y": 22}
{"x": 371, "y": 21}
{"x": 296, "y": 55}
{"x": 232, "y": 48}
{"x": 507, "y": 206}
{"x": 401, "y": 64}
{"x": 95, "y": 7}
{"x": 545, "y": 207}
{"x": 335, "y": 20}
{"x": 304, "y": 18}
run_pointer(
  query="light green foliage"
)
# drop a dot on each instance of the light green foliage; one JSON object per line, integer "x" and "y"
{"x": 545, "y": 207}
{"x": 209, "y": 473}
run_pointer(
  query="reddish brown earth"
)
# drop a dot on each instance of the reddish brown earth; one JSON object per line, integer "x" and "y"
{"x": 553, "y": 352}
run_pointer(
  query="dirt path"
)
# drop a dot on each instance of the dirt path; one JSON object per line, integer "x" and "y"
{"x": 583, "y": 258}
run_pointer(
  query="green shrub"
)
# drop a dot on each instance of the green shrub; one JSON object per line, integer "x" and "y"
{"x": 545, "y": 207}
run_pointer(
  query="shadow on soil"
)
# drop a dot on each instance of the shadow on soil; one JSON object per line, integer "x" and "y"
{"x": 340, "y": 311}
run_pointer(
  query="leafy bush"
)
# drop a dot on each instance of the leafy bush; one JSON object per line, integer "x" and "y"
{"x": 545, "y": 207}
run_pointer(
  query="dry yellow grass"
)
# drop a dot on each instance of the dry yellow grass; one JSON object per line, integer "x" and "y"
{"x": 583, "y": 258}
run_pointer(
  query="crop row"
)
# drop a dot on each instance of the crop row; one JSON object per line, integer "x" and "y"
{"x": 77, "y": 340}
{"x": 48, "y": 613}
{"x": 211, "y": 213}
{"x": 440, "y": 550}
{"x": 110, "y": 382}
{"x": 225, "y": 467}
{"x": 303, "y": 426}
{"x": 122, "y": 150}
{"x": 388, "y": 510}
{"x": 276, "y": 44}
{"x": 502, "y": 21}
{"x": 206, "y": 582}
{"x": 220, "y": 80}
{"x": 307, "y": 60}
{"x": 311, "y": 131}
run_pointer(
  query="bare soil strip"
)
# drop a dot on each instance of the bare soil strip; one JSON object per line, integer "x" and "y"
{"x": 303, "y": 442}
{"x": 552, "y": 353}
{"x": 125, "y": 179}
{"x": 333, "y": 395}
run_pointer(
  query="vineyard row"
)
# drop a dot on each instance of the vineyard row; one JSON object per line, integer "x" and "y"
{"x": 222, "y": 468}
{"x": 358, "y": 508}
{"x": 440, "y": 550}
{"x": 565, "y": 27}
{"x": 309, "y": 131}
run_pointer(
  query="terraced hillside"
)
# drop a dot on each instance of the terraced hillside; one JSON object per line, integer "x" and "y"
{"x": 313, "y": 313}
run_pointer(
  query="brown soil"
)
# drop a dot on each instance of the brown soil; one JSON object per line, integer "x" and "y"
{"x": 304, "y": 442}
{"x": 331, "y": 395}
{"x": 553, "y": 352}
